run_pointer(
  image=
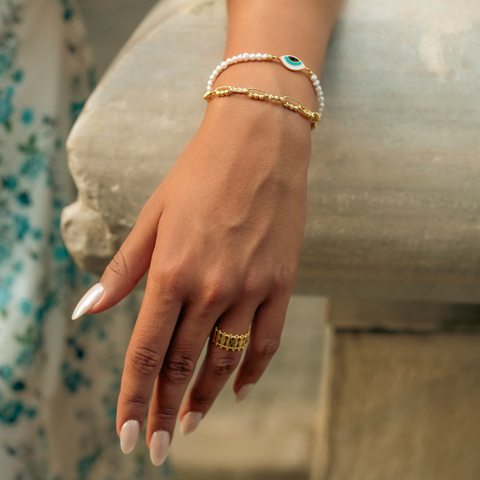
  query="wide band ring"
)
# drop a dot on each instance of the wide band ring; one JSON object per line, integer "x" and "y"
{"x": 235, "y": 343}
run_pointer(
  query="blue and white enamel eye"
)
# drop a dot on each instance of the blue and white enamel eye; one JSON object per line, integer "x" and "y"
{"x": 292, "y": 63}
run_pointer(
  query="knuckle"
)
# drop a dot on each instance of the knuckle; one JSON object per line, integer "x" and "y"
{"x": 283, "y": 280}
{"x": 118, "y": 265}
{"x": 135, "y": 401}
{"x": 224, "y": 365}
{"x": 251, "y": 287}
{"x": 251, "y": 371}
{"x": 166, "y": 414}
{"x": 144, "y": 360}
{"x": 201, "y": 400}
{"x": 168, "y": 280}
{"x": 214, "y": 293}
{"x": 178, "y": 368}
{"x": 266, "y": 349}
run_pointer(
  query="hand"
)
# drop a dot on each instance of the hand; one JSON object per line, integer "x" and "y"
{"x": 221, "y": 236}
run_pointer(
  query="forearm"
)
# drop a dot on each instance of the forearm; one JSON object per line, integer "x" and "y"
{"x": 280, "y": 27}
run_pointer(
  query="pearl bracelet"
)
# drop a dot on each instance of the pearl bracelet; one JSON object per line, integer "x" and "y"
{"x": 288, "y": 61}
{"x": 258, "y": 94}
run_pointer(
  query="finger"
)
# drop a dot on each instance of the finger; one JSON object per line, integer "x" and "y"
{"x": 216, "y": 369}
{"x": 155, "y": 325}
{"x": 264, "y": 342}
{"x": 127, "y": 267}
{"x": 186, "y": 345}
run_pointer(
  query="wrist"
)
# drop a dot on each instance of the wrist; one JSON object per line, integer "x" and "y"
{"x": 263, "y": 117}
{"x": 244, "y": 118}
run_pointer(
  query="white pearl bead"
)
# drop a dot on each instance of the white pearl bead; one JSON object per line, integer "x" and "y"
{"x": 322, "y": 104}
{"x": 223, "y": 65}
{"x": 212, "y": 77}
{"x": 316, "y": 82}
{"x": 313, "y": 77}
{"x": 253, "y": 56}
{"x": 209, "y": 89}
{"x": 228, "y": 61}
{"x": 318, "y": 92}
{"x": 210, "y": 83}
{"x": 259, "y": 56}
{"x": 322, "y": 98}
{"x": 234, "y": 59}
{"x": 265, "y": 56}
{"x": 246, "y": 57}
{"x": 218, "y": 69}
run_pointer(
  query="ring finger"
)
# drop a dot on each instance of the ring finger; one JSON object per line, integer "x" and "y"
{"x": 218, "y": 365}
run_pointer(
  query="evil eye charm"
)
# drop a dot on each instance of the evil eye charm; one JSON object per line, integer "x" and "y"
{"x": 292, "y": 63}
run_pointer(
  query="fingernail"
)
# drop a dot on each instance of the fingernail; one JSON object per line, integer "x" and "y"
{"x": 243, "y": 393}
{"x": 91, "y": 298}
{"x": 159, "y": 447}
{"x": 129, "y": 435}
{"x": 190, "y": 422}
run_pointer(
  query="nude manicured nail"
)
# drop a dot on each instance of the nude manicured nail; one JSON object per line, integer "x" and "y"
{"x": 159, "y": 447}
{"x": 243, "y": 393}
{"x": 190, "y": 422}
{"x": 91, "y": 298}
{"x": 129, "y": 435}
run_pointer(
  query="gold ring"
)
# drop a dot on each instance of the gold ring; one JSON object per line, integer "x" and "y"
{"x": 235, "y": 343}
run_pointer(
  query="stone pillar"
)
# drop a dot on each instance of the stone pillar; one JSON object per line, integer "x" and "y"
{"x": 400, "y": 396}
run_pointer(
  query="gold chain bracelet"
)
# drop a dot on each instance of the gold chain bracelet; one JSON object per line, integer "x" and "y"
{"x": 258, "y": 94}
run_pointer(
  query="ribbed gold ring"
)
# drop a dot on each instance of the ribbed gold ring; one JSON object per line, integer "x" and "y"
{"x": 235, "y": 343}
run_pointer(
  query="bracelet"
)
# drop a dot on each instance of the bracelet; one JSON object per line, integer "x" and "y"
{"x": 314, "y": 117}
{"x": 288, "y": 61}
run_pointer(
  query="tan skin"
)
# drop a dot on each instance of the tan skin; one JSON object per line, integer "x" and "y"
{"x": 222, "y": 233}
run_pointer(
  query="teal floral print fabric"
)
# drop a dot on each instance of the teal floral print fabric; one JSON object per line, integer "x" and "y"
{"x": 59, "y": 379}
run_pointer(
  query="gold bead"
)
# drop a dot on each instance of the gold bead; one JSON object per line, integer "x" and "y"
{"x": 250, "y": 94}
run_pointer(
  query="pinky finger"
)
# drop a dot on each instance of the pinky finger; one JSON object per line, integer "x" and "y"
{"x": 264, "y": 342}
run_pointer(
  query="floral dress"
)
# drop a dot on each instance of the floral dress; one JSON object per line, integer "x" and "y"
{"x": 59, "y": 380}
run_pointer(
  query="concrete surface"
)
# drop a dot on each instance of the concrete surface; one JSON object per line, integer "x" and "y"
{"x": 404, "y": 407}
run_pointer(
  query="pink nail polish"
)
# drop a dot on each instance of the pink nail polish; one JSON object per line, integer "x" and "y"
{"x": 190, "y": 422}
{"x": 243, "y": 393}
{"x": 129, "y": 435}
{"x": 159, "y": 445}
{"x": 90, "y": 299}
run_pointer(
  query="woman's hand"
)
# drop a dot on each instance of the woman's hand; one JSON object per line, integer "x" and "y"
{"x": 221, "y": 236}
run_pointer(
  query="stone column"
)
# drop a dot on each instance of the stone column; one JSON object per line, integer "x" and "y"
{"x": 400, "y": 395}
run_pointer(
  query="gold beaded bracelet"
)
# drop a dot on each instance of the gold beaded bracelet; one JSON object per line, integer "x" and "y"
{"x": 314, "y": 117}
